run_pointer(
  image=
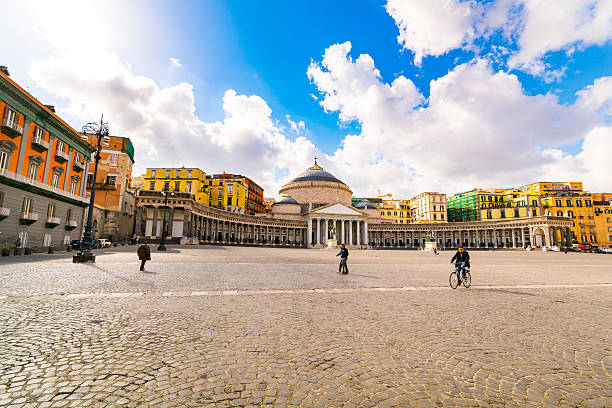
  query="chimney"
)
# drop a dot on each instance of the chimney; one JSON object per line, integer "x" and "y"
{"x": 51, "y": 108}
{"x": 4, "y": 70}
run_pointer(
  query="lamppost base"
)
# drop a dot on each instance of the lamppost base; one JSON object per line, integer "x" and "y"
{"x": 162, "y": 247}
{"x": 82, "y": 257}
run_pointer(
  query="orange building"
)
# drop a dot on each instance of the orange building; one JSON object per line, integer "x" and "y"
{"x": 42, "y": 162}
{"x": 113, "y": 193}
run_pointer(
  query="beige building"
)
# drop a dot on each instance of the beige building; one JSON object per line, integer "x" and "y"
{"x": 428, "y": 207}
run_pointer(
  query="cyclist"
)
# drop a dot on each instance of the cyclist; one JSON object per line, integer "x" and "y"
{"x": 462, "y": 261}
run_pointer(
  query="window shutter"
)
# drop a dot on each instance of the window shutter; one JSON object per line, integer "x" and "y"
{"x": 4, "y": 115}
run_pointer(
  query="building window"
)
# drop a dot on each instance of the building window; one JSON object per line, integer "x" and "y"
{"x": 167, "y": 173}
{"x": 50, "y": 210}
{"x": 516, "y": 213}
{"x": 114, "y": 159}
{"x": 558, "y": 203}
{"x": 489, "y": 215}
{"x": 435, "y": 217}
{"x": 177, "y": 185}
{"x": 152, "y": 174}
{"x": 578, "y": 203}
{"x": 4, "y": 160}
{"x": 152, "y": 185}
{"x": 534, "y": 203}
{"x": 68, "y": 214}
{"x": 188, "y": 188}
{"x": 230, "y": 188}
{"x": 10, "y": 117}
{"x": 587, "y": 203}
{"x": 534, "y": 212}
{"x": 111, "y": 180}
{"x": 502, "y": 213}
{"x": 27, "y": 205}
{"x": 73, "y": 185}
{"x": 229, "y": 200}
{"x": 47, "y": 240}
{"x": 33, "y": 170}
{"x": 55, "y": 179}
{"x": 189, "y": 173}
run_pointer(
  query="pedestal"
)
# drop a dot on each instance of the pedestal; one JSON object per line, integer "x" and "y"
{"x": 332, "y": 243}
{"x": 431, "y": 245}
{"x": 83, "y": 257}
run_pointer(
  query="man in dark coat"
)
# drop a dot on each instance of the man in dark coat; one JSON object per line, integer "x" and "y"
{"x": 144, "y": 254}
{"x": 343, "y": 254}
{"x": 462, "y": 261}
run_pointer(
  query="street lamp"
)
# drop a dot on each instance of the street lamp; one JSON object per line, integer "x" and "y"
{"x": 101, "y": 132}
{"x": 166, "y": 193}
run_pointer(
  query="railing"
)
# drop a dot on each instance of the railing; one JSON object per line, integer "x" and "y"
{"x": 70, "y": 225}
{"x": 38, "y": 143}
{"x": 53, "y": 220}
{"x": 62, "y": 156}
{"x": 5, "y": 212}
{"x": 11, "y": 128}
{"x": 46, "y": 187}
{"x": 29, "y": 216}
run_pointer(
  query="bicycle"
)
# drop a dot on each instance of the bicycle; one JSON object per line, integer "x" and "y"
{"x": 454, "y": 280}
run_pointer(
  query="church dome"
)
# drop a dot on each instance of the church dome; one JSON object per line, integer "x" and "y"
{"x": 316, "y": 173}
{"x": 365, "y": 205}
{"x": 317, "y": 186}
{"x": 286, "y": 200}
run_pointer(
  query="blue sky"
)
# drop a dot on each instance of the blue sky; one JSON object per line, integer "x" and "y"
{"x": 403, "y": 86}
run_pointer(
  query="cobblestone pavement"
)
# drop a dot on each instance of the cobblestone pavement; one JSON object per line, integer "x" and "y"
{"x": 224, "y": 327}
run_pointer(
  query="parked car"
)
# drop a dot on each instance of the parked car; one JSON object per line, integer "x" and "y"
{"x": 604, "y": 250}
{"x": 76, "y": 244}
{"x": 104, "y": 243}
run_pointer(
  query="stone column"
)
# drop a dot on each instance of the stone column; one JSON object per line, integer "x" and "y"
{"x": 154, "y": 226}
{"x": 350, "y": 232}
{"x": 83, "y": 189}
{"x": 309, "y": 234}
{"x": 68, "y": 168}
{"x": 325, "y": 231}
{"x": 513, "y": 238}
{"x": 365, "y": 233}
{"x": 342, "y": 231}
{"x": 138, "y": 227}
{"x": 48, "y": 160}
{"x": 186, "y": 223}
{"x": 23, "y": 145}
{"x": 170, "y": 222}
{"x": 523, "y": 236}
{"x": 546, "y": 236}
{"x": 568, "y": 234}
{"x": 486, "y": 238}
{"x": 358, "y": 232}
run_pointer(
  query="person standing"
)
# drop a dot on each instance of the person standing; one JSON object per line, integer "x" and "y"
{"x": 144, "y": 254}
{"x": 343, "y": 254}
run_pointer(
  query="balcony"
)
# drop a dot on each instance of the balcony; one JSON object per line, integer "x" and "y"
{"x": 52, "y": 222}
{"x": 70, "y": 225}
{"x": 105, "y": 186}
{"x": 78, "y": 166}
{"x": 4, "y": 212}
{"x": 46, "y": 187}
{"x": 39, "y": 144}
{"x": 28, "y": 218}
{"x": 61, "y": 157}
{"x": 11, "y": 128}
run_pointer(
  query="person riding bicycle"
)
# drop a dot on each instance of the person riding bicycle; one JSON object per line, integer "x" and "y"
{"x": 462, "y": 261}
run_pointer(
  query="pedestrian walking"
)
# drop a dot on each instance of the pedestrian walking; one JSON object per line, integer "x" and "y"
{"x": 343, "y": 254}
{"x": 144, "y": 254}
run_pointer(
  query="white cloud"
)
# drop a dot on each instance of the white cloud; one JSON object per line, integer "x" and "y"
{"x": 162, "y": 124}
{"x": 295, "y": 126}
{"x": 537, "y": 27}
{"x": 598, "y": 97}
{"x": 478, "y": 127}
{"x": 433, "y": 27}
{"x": 175, "y": 63}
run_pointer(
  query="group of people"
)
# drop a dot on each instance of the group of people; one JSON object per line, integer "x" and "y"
{"x": 461, "y": 258}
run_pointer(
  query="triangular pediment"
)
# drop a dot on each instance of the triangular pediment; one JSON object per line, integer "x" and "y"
{"x": 336, "y": 209}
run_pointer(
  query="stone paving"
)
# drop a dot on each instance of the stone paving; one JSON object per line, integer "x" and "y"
{"x": 229, "y": 326}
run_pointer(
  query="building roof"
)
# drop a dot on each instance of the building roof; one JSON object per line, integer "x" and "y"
{"x": 365, "y": 205}
{"x": 286, "y": 200}
{"x": 316, "y": 173}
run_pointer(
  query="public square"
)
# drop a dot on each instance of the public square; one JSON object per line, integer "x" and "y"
{"x": 235, "y": 326}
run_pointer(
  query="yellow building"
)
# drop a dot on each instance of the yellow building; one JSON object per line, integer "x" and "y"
{"x": 137, "y": 183}
{"x": 428, "y": 208}
{"x": 580, "y": 209}
{"x": 183, "y": 180}
{"x": 602, "y": 206}
{"x": 228, "y": 193}
{"x": 549, "y": 188}
{"x": 396, "y": 210}
{"x": 499, "y": 204}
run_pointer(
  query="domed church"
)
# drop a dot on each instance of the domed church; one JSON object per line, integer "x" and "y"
{"x": 324, "y": 201}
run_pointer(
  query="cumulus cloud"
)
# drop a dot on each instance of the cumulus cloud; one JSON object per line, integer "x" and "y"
{"x": 477, "y": 128}
{"x": 598, "y": 97}
{"x": 433, "y": 27}
{"x": 535, "y": 27}
{"x": 163, "y": 126}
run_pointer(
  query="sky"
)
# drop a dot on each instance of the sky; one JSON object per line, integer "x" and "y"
{"x": 396, "y": 96}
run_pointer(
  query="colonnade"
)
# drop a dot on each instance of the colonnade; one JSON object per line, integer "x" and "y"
{"x": 348, "y": 231}
{"x": 483, "y": 237}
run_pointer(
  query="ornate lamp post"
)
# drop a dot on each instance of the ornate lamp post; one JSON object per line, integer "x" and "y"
{"x": 101, "y": 132}
{"x": 162, "y": 246}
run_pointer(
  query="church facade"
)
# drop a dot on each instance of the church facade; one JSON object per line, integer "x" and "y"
{"x": 316, "y": 206}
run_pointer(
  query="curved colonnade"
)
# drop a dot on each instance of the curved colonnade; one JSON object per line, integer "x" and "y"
{"x": 190, "y": 222}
